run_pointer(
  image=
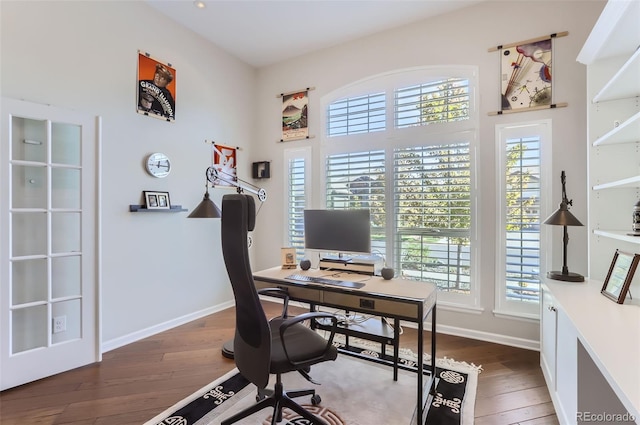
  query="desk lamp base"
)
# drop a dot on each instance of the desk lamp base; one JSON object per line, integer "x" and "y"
{"x": 567, "y": 277}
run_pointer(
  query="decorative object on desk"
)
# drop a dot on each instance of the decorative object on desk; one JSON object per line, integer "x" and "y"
{"x": 261, "y": 170}
{"x": 305, "y": 264}
{"x": 387, "y": 273}
{"x": 367, "y": 403}
{"x": 288, "y": 256}
{"x": 636, "y": 220}
{"x": 158, "y": 165}
{"x": 562, "y": 217}
{"x": 620, "y": 274}
{"x": 157, "y": 200}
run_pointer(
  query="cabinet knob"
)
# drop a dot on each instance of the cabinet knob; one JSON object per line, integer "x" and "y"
{"x": 552, "y": 308}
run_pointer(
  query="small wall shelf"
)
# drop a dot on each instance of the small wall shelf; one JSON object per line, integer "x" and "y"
{"x": 142, "y": 208}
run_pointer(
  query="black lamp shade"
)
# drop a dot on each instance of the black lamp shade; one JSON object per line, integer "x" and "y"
{"x": 206, "y": 209}
{"x": 563, "y": 217}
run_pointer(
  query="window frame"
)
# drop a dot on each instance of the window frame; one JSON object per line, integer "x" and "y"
{"x": 503, "y": 132}
{"x": 425, "y": 135}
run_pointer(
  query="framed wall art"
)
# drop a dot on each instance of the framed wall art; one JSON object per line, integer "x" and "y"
{"x": 620, "y": 274}
{"x": 225, "y": 161}
{"x": 295, "y": 125}
{"x": 157, "y": 200}
{"x": 156, "y": 88}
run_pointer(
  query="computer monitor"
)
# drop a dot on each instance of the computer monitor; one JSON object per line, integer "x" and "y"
{"x": 338, "y": 231}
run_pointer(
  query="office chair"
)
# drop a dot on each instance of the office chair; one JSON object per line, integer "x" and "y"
{"x": 262, "y": 347}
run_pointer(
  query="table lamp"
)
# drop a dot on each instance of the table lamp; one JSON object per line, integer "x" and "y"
{"x": 562, "y": 217}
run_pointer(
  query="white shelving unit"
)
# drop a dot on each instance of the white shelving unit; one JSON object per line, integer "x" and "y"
{"x": 612, "y": 56}
{"x": 590, "y": 345}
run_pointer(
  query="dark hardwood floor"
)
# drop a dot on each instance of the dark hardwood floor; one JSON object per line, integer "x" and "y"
{"x": 136, "y": 382}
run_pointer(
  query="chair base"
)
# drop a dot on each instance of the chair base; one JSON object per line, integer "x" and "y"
{"x": 278, "y": 399}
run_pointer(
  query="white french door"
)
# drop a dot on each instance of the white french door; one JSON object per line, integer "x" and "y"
{"x": 49, "y": 251}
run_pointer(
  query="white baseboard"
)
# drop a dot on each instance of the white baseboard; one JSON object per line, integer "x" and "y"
{"x": 527, "y": 344}
{"x": 161, "y": 327}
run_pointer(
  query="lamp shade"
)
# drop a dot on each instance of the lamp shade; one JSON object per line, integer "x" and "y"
{"x": 563, "y": 217}
{"x": 206, "y": 209}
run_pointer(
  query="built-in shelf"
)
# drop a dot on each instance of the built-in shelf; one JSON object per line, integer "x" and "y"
{"x": 620, "y": 235}
{"x": 629, "y": 182}
{"x": 142, "y": 208}
{"x": 624, "y": 84}
{"x": 626, "y": 132}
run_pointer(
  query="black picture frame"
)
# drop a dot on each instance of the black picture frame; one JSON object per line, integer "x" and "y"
{"x": 157, "y": 200}
{"x": 623, "y": 266}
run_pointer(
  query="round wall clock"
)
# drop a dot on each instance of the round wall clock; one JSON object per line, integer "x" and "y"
{"x": 158, "y": 165}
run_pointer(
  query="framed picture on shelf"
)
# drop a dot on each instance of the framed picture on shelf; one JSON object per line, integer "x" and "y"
{"x": 157, "y": 200}
{"x": 288, "y": 258}
{"x": 620, "y": 274}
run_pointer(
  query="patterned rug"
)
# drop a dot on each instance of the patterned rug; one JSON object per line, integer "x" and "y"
{"x": 353, "y": 391}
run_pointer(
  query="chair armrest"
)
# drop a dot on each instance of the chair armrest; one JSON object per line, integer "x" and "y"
{"x": 278, "y": 293}
{"x": 301, "y": 318}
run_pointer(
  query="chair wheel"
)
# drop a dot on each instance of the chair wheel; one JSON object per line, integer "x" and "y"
{"x": 315, "y": 399}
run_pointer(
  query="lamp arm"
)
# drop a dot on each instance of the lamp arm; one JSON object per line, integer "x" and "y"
{"x": 213, "y": 174}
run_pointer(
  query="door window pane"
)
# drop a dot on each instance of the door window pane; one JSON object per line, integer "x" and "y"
{"x": 29, "y": 234}
{"x": 28, "y": 281}
{"x": 65, "y": 144}
{"x": 28, "y": 328}
{"x": 29, "y": 188}
{"x": 70, "y": 311}
{"x": 65, "y": 232}
{"x": 28, "y": 139}
{"x": 65, "y": 276}
{"x": 65, "y": 184}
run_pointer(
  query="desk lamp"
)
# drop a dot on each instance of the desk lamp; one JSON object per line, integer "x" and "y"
{"x": 562, "y": 217}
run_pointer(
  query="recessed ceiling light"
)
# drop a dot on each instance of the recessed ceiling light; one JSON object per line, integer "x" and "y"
{"x": 199, "y": 4}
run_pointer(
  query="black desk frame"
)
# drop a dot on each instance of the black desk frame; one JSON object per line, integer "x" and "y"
{"x": 425, "y": 389}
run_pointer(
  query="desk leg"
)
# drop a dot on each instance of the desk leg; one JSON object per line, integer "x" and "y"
{"x": 420, "y": 371}
{"x": 396, "y": 343}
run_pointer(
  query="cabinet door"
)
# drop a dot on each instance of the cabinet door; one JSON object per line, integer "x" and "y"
{"x": 548, "y": 330}
{"x": 567, "y": 369}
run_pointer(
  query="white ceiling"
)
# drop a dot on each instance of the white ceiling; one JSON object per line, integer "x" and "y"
{"x": 263, "y": 32}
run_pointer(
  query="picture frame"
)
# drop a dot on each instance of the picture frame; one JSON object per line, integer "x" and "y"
{"x": 288, "y": 256}
{"x": 157, "y": 200}
{"x": 623, "y": 266}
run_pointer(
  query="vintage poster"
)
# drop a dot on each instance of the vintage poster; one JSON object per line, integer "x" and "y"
{"x": 225, "y": 163}
{"x": 294, "y": 116}
{"x": 156, "y": 88}
{"x": 526, "y": 75}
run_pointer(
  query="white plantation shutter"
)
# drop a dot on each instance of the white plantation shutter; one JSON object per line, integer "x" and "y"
{"x": 362, "y": 114}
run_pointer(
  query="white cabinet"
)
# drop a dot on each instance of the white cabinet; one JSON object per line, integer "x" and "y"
{"x": 613, "y": 88}
{"x": 590, "y": 352}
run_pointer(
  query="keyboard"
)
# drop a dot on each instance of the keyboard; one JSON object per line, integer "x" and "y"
{"x": 334, "y": 282}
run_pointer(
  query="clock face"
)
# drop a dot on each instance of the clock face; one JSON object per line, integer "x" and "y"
{"x": 158, "y": 165}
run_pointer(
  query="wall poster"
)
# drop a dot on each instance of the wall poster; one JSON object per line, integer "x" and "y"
{"x": 526, "y": 75}
{"x": 294, "y": 116}
{"x": 225, "y": 162}
{"x": 156, "y": 88}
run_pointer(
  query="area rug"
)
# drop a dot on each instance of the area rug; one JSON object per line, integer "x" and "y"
{"x": 353, "y": 391}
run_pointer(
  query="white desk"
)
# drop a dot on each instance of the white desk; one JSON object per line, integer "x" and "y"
{"x": 397, "y": 298}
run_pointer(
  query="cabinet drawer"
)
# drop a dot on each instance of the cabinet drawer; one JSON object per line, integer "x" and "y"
{"x": 379, "y": 306}
{"x": 296, "y": 292}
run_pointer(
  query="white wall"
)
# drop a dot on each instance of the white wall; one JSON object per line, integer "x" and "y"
{"x": 156, "y": 268}
{"x": 462, "y": 37}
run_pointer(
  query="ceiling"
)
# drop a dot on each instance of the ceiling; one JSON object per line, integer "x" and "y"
{"x": 263, "y": 32}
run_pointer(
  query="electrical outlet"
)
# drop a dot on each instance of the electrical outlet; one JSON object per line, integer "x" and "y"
{"x": 59, "y": 324}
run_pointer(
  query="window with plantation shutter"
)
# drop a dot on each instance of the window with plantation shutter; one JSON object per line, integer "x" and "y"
{"x": 522, "y": 180}
{"x": 433, "y": 102}
{"x": 402, "y": 144}
{"x": 296, "y": 199}
{"x": 362, "y": 114}
{"x": 355, "y": 181}
{"x": 432, "y": 204}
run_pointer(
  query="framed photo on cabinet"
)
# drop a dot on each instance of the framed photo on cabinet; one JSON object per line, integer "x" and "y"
{"x": 620, "y": 274}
